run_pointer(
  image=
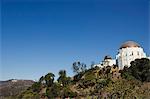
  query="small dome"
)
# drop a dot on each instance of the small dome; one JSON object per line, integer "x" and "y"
{"x": 129, "y": 44}
{"x": 107, "y": 57}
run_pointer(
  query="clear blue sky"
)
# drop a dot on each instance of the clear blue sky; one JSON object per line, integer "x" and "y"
{"x": 46, "y": 36}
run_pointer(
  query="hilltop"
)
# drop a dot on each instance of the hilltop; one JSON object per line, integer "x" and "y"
{"x": 107, "y": 82}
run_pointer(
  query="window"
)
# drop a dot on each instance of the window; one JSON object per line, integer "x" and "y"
{"x": 138, "y": 53}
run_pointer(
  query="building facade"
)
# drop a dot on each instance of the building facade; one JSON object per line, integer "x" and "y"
{"x": 108, "y": 61}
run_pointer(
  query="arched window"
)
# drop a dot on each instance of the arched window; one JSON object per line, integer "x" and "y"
{"x": 132, "y": 54}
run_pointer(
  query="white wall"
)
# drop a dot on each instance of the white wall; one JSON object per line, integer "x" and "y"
{"x": 109, "y": 62}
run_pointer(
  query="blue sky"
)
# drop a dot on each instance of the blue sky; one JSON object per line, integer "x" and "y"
{"x": 46, "y": 36}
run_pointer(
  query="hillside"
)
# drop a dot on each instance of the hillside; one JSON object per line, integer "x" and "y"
{"x": 95, "y": 83}
{"x": 11, "y": 88}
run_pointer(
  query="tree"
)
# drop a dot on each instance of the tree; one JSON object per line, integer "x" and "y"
{"x": 41, "y": 79}
{"x": 79, "y": 67}
{"x": 49, "y": 79}
{"x": 62, "y": 73}
{"x": 63, "y": 79}
{"x": 126, "y": 74}
{"x": 140, "y": 69}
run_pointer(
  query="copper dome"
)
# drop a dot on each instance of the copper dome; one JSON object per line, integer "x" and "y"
{"x": 129, "y": 44}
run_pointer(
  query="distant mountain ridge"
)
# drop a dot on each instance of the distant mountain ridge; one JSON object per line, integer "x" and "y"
{"x": 14, "y": 80}
{"x": 13, "y": 87}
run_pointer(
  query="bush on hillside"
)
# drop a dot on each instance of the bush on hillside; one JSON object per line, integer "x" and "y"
{"x": 140, "y": 69}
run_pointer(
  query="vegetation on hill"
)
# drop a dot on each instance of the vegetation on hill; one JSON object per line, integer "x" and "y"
{"x": 96, "y": 83}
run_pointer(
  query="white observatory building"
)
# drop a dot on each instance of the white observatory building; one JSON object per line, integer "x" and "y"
{"x": 108, "y": 61}
{"x": 129, "y": 51}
